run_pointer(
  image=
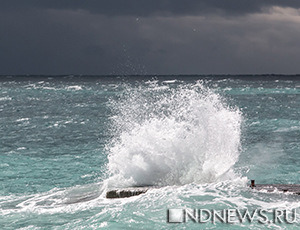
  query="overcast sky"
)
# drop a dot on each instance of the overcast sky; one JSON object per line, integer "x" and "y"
{"x": 149, "y": 37}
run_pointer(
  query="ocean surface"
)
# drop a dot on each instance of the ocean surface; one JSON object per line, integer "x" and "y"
{"x": 66, "y": 140}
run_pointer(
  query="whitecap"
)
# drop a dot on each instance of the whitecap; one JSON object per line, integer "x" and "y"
{"x": 6, "y": 98}
{"x": 170, "y": 81}
{"x": 74, "y": 87}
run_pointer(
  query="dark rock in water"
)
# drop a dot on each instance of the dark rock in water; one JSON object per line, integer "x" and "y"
{"x": 126, "y": 192}
{"x": 291, "y": 188}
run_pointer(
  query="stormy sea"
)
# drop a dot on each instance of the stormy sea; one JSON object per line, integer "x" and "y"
{"x": 197, "y": 140}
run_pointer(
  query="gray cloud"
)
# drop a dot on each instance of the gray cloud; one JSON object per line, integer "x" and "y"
{"x": 170, "y": 37}
{"x": 153, "y": 7}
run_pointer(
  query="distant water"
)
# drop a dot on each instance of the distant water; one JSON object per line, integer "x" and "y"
{"x": 66, "y": 140}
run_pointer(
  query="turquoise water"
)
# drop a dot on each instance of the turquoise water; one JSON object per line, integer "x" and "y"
{"x": 66, "y": 140}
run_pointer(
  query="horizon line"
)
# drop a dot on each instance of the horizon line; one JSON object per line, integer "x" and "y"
{"x": 136, "y": 75}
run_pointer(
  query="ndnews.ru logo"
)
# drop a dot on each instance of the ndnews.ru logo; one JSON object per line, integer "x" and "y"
{"x": 230, "y": 216}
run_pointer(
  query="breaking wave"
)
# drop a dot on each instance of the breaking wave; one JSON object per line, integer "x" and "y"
{"x": 172, "y": 135}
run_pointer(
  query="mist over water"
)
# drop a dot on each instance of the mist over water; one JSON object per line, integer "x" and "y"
{"x": 172, "y": 135}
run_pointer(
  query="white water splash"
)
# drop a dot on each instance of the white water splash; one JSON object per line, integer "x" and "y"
{"x": 172, "y": 136}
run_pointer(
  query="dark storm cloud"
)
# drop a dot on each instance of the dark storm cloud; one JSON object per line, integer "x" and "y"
{"x": 52, "y": 42}
{"x": 149, "y": 37}
{"x": 147, "y": 7}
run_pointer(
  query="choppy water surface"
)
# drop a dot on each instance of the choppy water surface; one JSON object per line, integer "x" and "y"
{"x": 198, "y": 139}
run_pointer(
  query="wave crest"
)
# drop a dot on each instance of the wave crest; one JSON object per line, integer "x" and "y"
{"x": 167, "y": 135}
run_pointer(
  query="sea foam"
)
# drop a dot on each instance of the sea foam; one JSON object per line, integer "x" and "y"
{"x": 172, "y": 135}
